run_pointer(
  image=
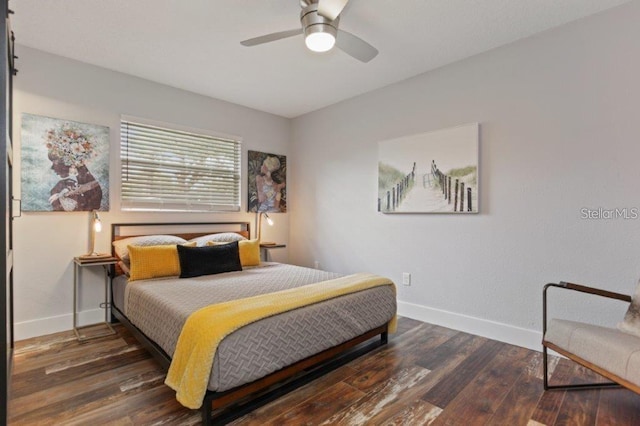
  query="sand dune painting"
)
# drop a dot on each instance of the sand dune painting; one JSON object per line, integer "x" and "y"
{"x": 434, "y": 172}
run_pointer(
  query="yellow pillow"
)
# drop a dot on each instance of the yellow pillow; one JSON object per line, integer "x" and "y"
{"x": 249, "y": 251}
{"x": 154, "y": 261}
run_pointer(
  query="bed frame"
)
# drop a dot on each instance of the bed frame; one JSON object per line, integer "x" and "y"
{"x": 241, "y": 400}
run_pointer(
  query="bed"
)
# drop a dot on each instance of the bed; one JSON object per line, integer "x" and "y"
{"x": 260, "y": 360}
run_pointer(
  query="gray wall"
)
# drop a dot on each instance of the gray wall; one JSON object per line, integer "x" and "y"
{"x": 559, "y": 133}
{"x": 45, "y": 243}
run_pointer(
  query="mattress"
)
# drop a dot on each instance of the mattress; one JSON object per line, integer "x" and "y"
{"x": 160, "y": 307}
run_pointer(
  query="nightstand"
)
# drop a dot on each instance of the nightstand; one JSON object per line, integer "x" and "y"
{"x": 78, "y": 265}
{"x": 264, "y": 250}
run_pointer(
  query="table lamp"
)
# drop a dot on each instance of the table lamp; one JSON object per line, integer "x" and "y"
{"x": 259, "y": 225}
{"x": 96, "y": 226}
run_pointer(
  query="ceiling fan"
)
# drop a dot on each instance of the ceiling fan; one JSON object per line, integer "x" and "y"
{"x": 320, "y": 19}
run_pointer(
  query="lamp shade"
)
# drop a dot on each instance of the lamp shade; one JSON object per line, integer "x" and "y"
{"x": 97, "y": 224}
{"x": 269, "y": 220}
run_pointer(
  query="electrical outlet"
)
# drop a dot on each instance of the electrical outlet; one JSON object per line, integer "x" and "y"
{"x": 406, "y": 278}
{"x": 316, "y": 264}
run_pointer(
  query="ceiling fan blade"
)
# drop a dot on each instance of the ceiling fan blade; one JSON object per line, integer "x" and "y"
{"x": 330, "y": 9}
{"x": 271, "y": 37}
{"x": 355, "y": 46}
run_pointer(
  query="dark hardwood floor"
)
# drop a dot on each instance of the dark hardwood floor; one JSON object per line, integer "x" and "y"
{"x": 426, "y": 375}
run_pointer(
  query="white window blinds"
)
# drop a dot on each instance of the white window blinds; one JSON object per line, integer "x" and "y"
{"x": 166, "y": 169}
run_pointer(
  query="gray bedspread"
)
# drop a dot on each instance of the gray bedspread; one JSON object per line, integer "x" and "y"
{"x": 160, "y": 307}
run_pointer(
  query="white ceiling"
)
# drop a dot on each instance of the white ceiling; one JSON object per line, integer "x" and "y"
{"x": 195, "y": 44}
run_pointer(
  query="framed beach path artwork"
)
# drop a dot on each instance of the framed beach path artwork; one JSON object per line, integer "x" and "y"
{"x": 65, "y": 165}
{"x": 267, "y": 182}
{"x": 435, "y": 172}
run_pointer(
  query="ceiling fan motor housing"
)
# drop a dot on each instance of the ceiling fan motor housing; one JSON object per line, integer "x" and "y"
{"x": 312, "y": 22}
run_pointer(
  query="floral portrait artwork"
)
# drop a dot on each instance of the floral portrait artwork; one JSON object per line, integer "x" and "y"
{"x": 65, "y": 165}
{"x": 267, "y": 178}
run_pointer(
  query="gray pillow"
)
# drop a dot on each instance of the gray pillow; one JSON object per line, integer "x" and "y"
{"x": 120, "y": 246}
{"x": 631, "y": 322}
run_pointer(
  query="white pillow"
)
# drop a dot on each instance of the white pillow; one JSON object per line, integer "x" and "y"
{"x": 222, "y": 237}
{"x": 122, "y": 252}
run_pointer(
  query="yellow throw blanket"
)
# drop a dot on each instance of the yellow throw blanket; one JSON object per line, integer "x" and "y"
{"x": 204, "y": 329}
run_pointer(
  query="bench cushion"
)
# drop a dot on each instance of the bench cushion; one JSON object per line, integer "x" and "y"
{"x": 607, "y": 348}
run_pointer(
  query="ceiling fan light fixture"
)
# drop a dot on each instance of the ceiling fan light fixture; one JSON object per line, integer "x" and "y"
{"x": 319, "y": 40}
{"x": 319, "y": 32}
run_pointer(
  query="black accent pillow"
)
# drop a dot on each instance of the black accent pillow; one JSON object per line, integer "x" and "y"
{"x": 208, "y": 260}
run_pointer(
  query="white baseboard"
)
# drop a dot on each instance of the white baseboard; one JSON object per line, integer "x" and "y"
{"x": 523, "y": 337}
{"x": 40, "y": 327}
{"x": 529, "y": 339}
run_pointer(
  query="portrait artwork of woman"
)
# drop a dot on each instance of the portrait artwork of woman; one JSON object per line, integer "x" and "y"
{"x": 69, "y": 150}
{"x": 269, "y": 191}
{"x": 64, "y": 165}
{"x": 267, "y": 182}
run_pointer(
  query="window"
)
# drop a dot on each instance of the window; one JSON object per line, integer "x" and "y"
{"x": 176, "y": 170}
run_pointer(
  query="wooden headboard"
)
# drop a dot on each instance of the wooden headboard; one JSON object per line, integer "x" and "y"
{"x": 183, "y": 230}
